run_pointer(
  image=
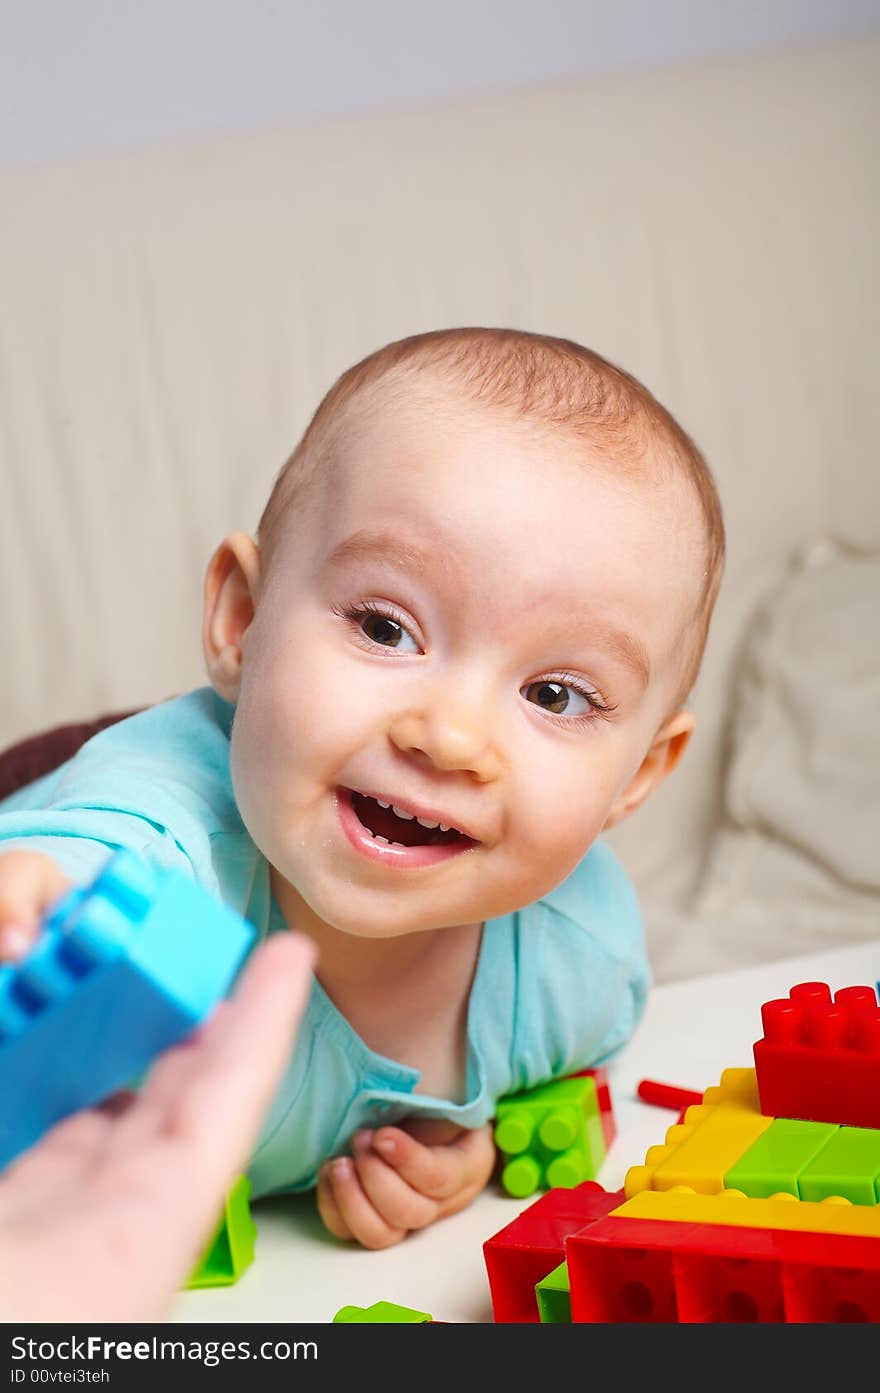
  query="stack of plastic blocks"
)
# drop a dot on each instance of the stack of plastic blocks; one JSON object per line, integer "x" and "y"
{"x": 740, "y": 1215}
{"x": 555, "y": 1135}
{"x": 124, "y": 968}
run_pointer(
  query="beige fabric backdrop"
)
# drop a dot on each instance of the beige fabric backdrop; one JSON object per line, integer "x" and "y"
{"x": 170, "y": 320}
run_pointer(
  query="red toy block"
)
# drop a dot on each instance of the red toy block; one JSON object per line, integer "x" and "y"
{"x": 820, "y": 1059}
{"x": 667, "y": 1095}
{"x": 835, "y": 1281}
{"x": 603, "y": 1098}
{"x": 531, "y": 1245}
{"x": 658, "y": 1270}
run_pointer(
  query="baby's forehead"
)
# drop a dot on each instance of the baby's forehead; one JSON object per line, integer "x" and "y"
{"x": 422, "y": 409}
{"x": 412, "y": 423}
{"x": 402, "y": 464}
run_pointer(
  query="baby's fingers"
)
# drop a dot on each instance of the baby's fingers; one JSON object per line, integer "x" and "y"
{"x": 353, "y": 1208}
{"x": 398, "y": 1203}
{"x": 29, "y": 883}
{"x": 435, "y": 1171}
{"x": 327, "y": 1206}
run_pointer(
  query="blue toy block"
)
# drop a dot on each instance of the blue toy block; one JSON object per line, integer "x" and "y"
{"x": 124, "y": 968}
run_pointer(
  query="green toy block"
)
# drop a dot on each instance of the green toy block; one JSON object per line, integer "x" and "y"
{"x": 772, "y": 1164}
{"x": 553, "y": 1294}
{"x": 552, "y": 1135}
{"x": 380, "y": 1313}
{"x": 231, "y": 1249}
{"x": 848, "y": 1165}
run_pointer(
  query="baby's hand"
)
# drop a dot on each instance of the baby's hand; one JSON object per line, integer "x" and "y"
{"x": 29, "y": 884}
{"x": 403, "y": 1178}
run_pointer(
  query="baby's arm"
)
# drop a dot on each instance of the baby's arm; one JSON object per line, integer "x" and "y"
{"x": 403, "y": 1178}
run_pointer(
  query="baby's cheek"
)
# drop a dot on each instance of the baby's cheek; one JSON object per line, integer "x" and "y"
{"x": 554, "y": 832}
{"x": 290, "y": 740}
{"x": 274, "y": 706}
{"x": 308, "y": 703}
{"x": 245, "y": 774}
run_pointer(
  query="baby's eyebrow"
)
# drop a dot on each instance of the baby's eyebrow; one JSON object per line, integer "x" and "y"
{"x": 629, "y": 649}
{"x": 367, "y": 545}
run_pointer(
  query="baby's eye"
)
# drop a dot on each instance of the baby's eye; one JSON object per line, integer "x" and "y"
{"x": 385, "y": 630}
{"x": 559, "y": 698}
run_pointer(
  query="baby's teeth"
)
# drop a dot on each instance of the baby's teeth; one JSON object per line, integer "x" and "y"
{"x": 401, "y": 812}
{"x": 383, "y": 840}
{"x": 424, "y": 823}
{"x": 381, "y": 804}
{"x": 443, "y": 827}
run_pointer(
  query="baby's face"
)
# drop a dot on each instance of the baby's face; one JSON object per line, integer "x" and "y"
{"x": 435, "y": 635}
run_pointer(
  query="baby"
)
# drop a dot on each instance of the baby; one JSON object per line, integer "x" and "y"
{"x": 459, "y": 649}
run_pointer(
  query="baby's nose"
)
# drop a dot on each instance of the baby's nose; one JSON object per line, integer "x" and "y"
{"x": 452, "y": 738}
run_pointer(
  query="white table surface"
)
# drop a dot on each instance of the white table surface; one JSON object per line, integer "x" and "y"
{"x": 691, "y": 1031}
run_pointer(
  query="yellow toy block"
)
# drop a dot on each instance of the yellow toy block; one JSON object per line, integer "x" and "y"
{"x": 713, "y": 1136}
{"x": 699, "y": 1152}
{"x": 737, "y": 1088}
{"x": 732, "y": 1207}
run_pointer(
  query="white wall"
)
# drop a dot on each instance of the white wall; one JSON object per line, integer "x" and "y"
{"x": 99, "y": 75}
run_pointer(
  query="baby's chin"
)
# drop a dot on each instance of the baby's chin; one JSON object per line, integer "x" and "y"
{"x": 375, "y": 934}
{"x": 357, "y": 913}
{"x": 371, "y": 923}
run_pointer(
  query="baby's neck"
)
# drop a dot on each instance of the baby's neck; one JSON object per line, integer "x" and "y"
{"x": 407, "y": 997}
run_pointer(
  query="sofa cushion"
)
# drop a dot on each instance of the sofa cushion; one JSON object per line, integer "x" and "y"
{"x": 793, "y": 866}
{"x": 805, "y": 728}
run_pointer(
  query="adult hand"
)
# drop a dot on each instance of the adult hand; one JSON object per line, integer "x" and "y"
{"x": 105, "y": 1217}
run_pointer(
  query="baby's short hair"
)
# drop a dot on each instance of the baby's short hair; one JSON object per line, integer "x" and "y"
{"x": 552, "y": 382}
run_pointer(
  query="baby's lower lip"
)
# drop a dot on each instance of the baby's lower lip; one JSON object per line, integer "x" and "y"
{"x": 391, "y": 854}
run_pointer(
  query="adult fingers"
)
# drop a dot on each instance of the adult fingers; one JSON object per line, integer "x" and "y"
{"x": 230, "y": 1068}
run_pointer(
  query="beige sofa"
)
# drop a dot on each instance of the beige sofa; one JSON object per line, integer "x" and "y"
{"x": 170, "y": 319}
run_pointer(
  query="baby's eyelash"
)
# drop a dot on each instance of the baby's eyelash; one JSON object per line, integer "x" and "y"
{"x": 354, "y": 613}
{"x": 599, "y": 708}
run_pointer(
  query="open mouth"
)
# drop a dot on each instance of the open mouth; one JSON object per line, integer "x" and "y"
{"x": 385, "y": 825}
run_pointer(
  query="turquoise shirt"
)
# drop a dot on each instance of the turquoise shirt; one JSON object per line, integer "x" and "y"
{"x": 560, "y": 984}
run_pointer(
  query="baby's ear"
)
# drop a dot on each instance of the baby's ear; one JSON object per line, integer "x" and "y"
{"x": 667, "y": 748}
{"x": 231, "y": 586}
